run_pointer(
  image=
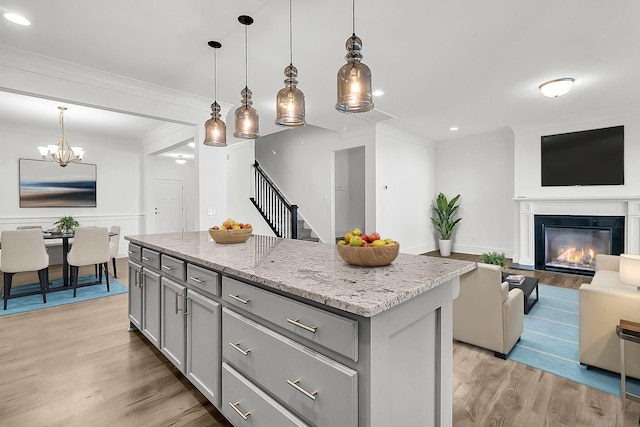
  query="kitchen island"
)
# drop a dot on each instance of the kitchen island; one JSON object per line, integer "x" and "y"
{"x": 294, "y": 335}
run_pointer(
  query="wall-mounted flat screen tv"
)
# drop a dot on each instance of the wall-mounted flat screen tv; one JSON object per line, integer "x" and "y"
{"x": 590, "y": 157}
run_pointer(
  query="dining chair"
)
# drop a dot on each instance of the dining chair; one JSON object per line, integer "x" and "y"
{"x": 22, "y": 251}
{"x": 114, "y": 246}
{"x": 90, "y": 247}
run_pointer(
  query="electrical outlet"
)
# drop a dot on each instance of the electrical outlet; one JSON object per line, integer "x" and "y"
{"x": 211, "y": 211}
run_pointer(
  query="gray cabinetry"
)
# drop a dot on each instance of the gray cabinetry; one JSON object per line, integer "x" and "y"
{"x": 151, "y": 306}
{"x": 321, "y": 390}
{"x": 173, "y": 324}
{"x": 135, "y": 295}
{"x": 245, "y": 404}
{"x": 203, "y": 345}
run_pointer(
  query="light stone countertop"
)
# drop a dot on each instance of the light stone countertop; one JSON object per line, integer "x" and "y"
{"x": 311, "y": 270}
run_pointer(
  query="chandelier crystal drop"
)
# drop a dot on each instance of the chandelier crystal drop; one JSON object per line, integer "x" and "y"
{"x": 290, "y": 100}
{"x": 215, "y": 130}
{"x": 354, "y": 78}
{"x": 62, "y": 152}
{"x": 247, "y": 125}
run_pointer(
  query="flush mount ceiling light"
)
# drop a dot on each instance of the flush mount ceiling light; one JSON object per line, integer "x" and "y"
{"x": 557, "y": 87}
{"x": 17, "y": 19}
{"x": 62, "y": 152}
{"x": 180, "y": 160}
{"x": 215, "y": 130}
{"x": 290, "y": 99}
{"x": 354, "y": 78}
{"x": 247, "y": 124}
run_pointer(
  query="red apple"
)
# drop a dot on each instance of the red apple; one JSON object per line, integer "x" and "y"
{"x": 364, "y": 237}
{"x": 215, "y": 227}
{"x": 374, "y": 236}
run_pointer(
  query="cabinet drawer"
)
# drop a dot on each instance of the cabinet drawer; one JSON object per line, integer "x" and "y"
{"x": 251, "y": 403}
{"x": 173, "y": 267}
{"x": 150, "y": 258}
{"x": 315, "y": 387}
{"x": 135, "y": 252}
{"x": 203, "y": 279}
{"x": 327, "y": 329}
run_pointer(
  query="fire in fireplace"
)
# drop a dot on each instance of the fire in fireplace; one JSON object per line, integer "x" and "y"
{"x": 570, "y": 243}
{"x": 575, "y": 248}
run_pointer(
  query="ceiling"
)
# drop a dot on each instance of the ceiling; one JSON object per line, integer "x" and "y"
{"x": 473, "y": 65}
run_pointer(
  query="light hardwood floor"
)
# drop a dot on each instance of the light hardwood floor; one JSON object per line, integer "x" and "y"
{"x": 77, "y": 365}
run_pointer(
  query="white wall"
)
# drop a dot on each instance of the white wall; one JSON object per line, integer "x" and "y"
{"x": 240, "y": 174}
{"x": 119, "y": 181}
{"x": 527, "y": 160}
{"x": 404, "y": 186}
{"x": 481, "y": 169}
{"x": 301, "y": 163}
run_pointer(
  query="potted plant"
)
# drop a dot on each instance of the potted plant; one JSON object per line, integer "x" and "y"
{"x": 66, "y": 224}
{"x": 494, "y": 258}
{"x": 443, "y": 221}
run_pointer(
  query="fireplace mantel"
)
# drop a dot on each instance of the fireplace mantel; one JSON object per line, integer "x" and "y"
{"x": 611, "y": 206}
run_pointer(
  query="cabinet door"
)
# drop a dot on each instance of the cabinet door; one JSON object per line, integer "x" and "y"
{"x": 151, "y": 306}
{"x": 203, "y": 345}
{"x": 172, "y": 330}
{"x": 135, "y": 296}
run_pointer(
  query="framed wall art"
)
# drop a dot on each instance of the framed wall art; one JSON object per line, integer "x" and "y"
{"x": 45, "y": 184}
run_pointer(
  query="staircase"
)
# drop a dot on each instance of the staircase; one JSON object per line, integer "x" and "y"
{"x": 305, "y": 233}
{"x": 282, "y": 216}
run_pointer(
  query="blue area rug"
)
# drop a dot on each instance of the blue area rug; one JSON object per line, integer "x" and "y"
{"x": 34, "y": 302}
{"x": 550, "y": 342}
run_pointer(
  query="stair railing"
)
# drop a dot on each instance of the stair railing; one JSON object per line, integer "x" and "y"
{"x": 281, "y": 215}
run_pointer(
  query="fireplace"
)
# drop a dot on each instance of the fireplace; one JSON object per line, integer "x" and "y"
{"x": 570, "y": 243}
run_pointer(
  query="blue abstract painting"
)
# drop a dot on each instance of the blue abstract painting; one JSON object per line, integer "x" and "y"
{"x": 47, "y": 184}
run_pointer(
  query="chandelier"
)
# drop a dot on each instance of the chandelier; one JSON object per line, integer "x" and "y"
{"x": 62, "y": 152}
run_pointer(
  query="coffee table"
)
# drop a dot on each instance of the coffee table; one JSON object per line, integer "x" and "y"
{"x": 528, "y": 286}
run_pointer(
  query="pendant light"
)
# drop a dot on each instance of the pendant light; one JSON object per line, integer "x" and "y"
{"x": 215, "y": 130}
{"x": 62, "y": 152}
{"x": 247, "y": 124}
{"x": 290, "y": 99}
{"x": 354, "y": 78}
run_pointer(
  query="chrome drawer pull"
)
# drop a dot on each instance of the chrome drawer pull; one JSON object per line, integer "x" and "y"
{"x": 237, "y": 298}
{"x": 144, "y": 258}
{"x": 195, "y": 279}
{"x": 237, "y": 347}
{"x": 130, "y": 252}
{"x": 302, "y": 325}
{"x": 166, "y": 267}
{"x": 295, "y": 385}
{"x": 234, "y": 406}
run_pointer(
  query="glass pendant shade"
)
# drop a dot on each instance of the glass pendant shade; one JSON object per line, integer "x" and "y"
{"x": 354, "y": 81}
{"x": 247, "y": 120}
{"x": 290, "y": 101}
{"x": 215, "y": 130}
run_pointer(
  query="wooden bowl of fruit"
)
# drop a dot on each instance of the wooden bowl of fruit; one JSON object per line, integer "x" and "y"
{"x": 231, "y": 232}
{"x": 367, "y": 250}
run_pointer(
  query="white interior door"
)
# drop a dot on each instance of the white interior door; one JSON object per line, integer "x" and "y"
{"x": 168, "y": 205}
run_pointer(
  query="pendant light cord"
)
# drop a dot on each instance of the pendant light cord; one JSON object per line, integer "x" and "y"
{"x": 246, "y": 59}
{"x": 215, "y": 75}
{"x": 353, "y": 16}
{"x": 290, "y": 36}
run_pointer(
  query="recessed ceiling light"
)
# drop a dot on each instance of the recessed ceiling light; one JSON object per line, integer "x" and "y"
{"x": 557, "y": 87}
{"x": 17, "y": 19}
{"x": 453, "y": 128}
{"x": 378, "y": 92}
{"x": 180, "y": 160}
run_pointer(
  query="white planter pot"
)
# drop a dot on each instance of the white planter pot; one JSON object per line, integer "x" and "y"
{"x": 445, "y": 247}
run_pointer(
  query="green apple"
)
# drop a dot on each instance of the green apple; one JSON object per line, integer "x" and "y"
{"x": 355, "y": 241}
